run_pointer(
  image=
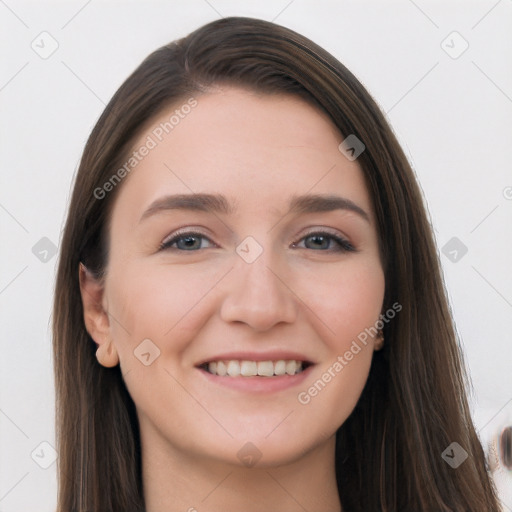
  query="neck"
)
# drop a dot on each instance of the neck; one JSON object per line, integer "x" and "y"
{"x": 179, "y": 482}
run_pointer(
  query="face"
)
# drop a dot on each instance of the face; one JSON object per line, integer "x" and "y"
{"x": 272, "y": 269}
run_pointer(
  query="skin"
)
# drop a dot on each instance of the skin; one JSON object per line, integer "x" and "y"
{"x": 258, "y": 151}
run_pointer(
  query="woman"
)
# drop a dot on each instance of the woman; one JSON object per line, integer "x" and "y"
{"x": 249, "y": 310}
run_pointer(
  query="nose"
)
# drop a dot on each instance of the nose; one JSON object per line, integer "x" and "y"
{"x": 258, "y": 295}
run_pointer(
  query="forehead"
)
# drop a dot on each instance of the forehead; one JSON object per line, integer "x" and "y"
{"x": 255, "y": 149}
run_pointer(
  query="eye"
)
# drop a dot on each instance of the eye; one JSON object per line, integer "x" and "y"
{"x": 321, "y": 240}
{"x": 325, "y": 241}
{"x": 186, "y": 241}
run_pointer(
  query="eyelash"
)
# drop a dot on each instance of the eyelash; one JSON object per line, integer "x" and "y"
{"x": 343, "y": 244}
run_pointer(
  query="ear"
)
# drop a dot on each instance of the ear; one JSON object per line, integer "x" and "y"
{"x": 96, "y": 316}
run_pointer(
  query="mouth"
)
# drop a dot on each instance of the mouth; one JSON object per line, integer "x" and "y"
{"x": 255, "y": 369}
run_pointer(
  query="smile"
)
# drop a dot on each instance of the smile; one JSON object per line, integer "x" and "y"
{"x": 246, "y": 368}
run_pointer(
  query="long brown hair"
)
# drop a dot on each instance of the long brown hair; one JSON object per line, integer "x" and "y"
{"x": 414, "y": 405}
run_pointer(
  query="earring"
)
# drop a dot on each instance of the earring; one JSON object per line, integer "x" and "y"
{"x": 107, "y": 354}
{"x": 380, "y": 341}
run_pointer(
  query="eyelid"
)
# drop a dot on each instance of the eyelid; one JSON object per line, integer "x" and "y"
{"x": 188, "y": 230}
{"x": 323, "y": 230}
{"x": 342, "y": 240}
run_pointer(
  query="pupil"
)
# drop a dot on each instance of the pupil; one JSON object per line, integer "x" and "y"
{"x": 319, "y": 241}
{"x": 190, "y": 242}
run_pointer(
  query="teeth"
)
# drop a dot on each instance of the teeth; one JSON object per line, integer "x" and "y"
{"x": 291, "y": 367}
{"x": 252, "y": 368}
{"x": 265, "y": 368}
{"x": 221, "y": 369}
{"x": 280, "y": 367}
{"x": 249, "y": 368}
{"x": 234, "y": 369}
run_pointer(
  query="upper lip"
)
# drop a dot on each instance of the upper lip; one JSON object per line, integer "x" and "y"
{"x": 274, "y": 355}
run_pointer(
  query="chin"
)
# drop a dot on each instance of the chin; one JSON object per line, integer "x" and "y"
{"x": 260, "y": 452}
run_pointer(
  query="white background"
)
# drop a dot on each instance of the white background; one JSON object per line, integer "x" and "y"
{"x": 453, "y": 117}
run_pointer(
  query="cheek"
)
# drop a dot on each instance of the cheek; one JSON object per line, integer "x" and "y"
{"x": 346, "y": 300}
{"x": 157, "y": 302}
{"x": 348, "y": 310}
{"x": 167, "y": 306}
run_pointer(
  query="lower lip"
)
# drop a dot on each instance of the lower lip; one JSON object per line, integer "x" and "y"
{"x": 257, "y": 384}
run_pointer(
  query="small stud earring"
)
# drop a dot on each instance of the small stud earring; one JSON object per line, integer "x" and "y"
{"x": 380, "y": 341}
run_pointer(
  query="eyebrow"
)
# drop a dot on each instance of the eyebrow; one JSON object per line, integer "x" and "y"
{"x": 316, "y": 203}
{"x": 195, "y": 202}
{"x": 217, "y": 203}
